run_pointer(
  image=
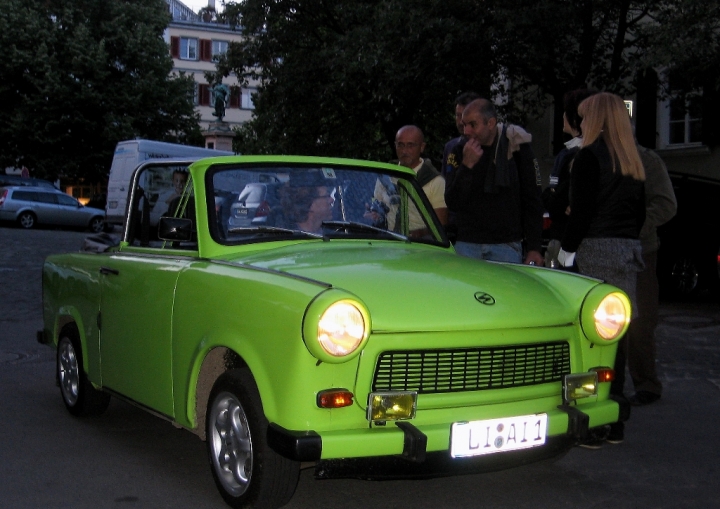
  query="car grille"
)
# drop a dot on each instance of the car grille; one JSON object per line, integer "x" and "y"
{"x": 471, "y": 369}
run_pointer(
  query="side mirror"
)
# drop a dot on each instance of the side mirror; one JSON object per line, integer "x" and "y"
{"x": 175, "y": 229}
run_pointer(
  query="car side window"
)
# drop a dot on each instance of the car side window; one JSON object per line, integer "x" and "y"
{"x": 164, "y": 191}
{"x": 64, "y": 199}
{"x": 47, "y": 198}
{"x": 25, "y": 196}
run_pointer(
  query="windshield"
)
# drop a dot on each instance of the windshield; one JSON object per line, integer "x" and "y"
{"x": 271, "y": 202}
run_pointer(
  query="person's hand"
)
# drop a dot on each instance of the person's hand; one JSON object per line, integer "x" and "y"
{"x": 566, "y": 259}
{"x": 472, "y": 152}
{"x": 534, "y": 258}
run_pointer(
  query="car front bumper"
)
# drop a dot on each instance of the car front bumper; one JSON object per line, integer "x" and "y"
{"x": 413, "y": 442}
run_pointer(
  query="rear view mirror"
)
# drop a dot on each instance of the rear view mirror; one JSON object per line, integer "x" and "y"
{"x": 175, "y": 229}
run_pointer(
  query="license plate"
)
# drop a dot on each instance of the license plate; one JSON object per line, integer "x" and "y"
{"x": 476, "y": 438}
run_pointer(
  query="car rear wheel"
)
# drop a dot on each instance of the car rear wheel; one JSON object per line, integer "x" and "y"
{"x": 685, "y": 276}
{"x": 97, "y": 224}
{"x": 27, "y": 220}
{"x": 78, "y": 394}
{"x": 246, "y": 471}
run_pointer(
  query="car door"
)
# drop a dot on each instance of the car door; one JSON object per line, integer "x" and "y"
{"x": 137, "y": 293}
{"x": 46, "y": 207}
{"x": 70, "y": 211}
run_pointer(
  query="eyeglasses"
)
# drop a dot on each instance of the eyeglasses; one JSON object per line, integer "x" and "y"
{"x": 401, "y": 145}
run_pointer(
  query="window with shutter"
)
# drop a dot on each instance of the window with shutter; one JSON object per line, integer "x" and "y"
{"x": 206, "y": 50}
{"x": 188, "y": 48}
{"x": 681, "y": 114}
{"x": 234, "y": 97}
{"x": 175, "y": 47}
{"x": 204, "y": 99}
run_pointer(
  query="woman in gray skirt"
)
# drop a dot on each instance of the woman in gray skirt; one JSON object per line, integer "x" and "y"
{"x": 607, "y": 211}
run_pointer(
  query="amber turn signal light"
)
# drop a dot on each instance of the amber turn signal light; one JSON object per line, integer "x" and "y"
{"x": 604, "y": 374}
{"x": 334, "y": 398}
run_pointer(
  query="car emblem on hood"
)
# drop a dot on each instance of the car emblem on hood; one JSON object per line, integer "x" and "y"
{"x": 484, "y": 298}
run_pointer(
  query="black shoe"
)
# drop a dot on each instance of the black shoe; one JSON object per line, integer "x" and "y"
{"x": 596, "y": 438}
{"x": 616, "y": 434}
{"x": 642, "y": 398}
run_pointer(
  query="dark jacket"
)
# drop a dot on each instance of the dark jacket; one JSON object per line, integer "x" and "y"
{"x": 603, "y": 202}
{"x": 489, "y": 213}
{"x": 556, "y": 197}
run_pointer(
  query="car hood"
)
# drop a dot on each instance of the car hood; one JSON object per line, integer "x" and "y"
{"x": 412, "y": 287}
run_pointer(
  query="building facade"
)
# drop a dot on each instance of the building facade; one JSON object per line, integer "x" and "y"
{"x": 194, "y": 45}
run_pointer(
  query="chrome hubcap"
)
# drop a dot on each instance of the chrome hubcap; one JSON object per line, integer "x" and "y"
{"x": 231, "y": 444}
{"x": 68, "y": 372}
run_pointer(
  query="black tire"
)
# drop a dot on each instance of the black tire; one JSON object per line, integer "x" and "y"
{"x": 78, "y": 394}
{"x": 27, "y": 220}
{"x": 97, "y": 224}
{"x": 685, "y": 275}
{"x": 246, "y": 471}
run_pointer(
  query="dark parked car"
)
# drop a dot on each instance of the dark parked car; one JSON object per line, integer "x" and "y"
{"x": 29, "y": 206}
{"x": 689, "y": 256}
{"x": 17, "y": 180}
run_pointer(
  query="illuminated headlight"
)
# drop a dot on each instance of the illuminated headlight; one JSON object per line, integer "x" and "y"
{"x": 612, "y": 315}
{"x": 391, "y": 406}
{"x": 580, "y": 385}
{"x": 336, "y": 326}
{"x": 341, "y": 329}
{"x": 605, "y": 314}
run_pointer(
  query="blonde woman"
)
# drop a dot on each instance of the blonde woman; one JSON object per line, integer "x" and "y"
{"x": 607, "y": 211}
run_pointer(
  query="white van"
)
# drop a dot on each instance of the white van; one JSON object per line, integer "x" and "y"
{"x": 128, "y": 155}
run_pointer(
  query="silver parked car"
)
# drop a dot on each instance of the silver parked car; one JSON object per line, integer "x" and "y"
{"x": 254, "y": 204}
{"x": 30, "y": 206}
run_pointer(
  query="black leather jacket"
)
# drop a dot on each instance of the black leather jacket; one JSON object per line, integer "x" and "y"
{"x": 603, "y": 202}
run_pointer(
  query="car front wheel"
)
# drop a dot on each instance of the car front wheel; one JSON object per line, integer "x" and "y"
{"x": 246, "y": 471}
{"x": 27, "y": 220}
{"x": 78, "y": 394}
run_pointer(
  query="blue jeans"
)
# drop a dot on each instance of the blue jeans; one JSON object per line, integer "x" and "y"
{"x": 509, "y": 252}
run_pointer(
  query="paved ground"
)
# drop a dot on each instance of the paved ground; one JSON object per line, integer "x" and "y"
{"x": 130, "y": 459}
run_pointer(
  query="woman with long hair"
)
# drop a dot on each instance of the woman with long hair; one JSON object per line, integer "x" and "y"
{"x": 607, "y": 211}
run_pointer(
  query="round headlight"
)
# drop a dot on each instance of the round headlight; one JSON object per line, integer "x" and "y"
{"x": 612, "y": 316}
{"x": 341, "y": 329}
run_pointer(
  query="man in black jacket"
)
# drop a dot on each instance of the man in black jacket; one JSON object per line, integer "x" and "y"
{"x": 494, "y": 190}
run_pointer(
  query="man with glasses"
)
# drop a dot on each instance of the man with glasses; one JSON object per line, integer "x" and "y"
{"x": 495, "y": 190}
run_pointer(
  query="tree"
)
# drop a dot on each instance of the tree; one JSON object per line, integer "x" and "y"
{"x": 549, "y": 47}
{"x": 339, "y": 77}
{"x": 77, "y": 76}
{"x": 684, "y": 43}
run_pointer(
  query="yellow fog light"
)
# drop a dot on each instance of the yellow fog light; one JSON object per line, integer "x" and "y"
{"x": 391, "y": 406}
{"x": 580, "y": 385}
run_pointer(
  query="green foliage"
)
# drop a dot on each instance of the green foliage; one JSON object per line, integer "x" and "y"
{"x": 338, "y": 77}
{"x": 77, "y": 76}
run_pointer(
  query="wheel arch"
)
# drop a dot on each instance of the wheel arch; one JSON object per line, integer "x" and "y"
{"x": 217, "y": 361}
{"x": 67, "y": 316}
{"x": 23, "y": 210}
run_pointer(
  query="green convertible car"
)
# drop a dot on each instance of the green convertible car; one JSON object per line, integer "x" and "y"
{"x": 334, "y": 328}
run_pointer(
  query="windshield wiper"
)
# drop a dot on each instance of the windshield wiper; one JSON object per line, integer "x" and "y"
{"x": 362, "y": 227}
{"x": 274, "y": 229}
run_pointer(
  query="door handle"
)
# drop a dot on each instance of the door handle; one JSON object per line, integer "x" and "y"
{"x": 108, "y": 270}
